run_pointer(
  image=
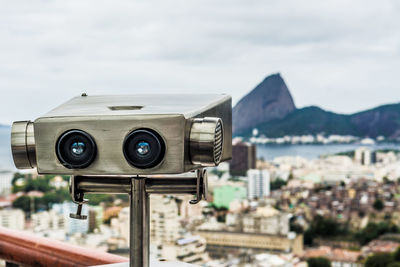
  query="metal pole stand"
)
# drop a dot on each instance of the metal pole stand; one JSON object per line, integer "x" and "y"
{"x": 139, "y": 189}
{"x": 139, "y": 223}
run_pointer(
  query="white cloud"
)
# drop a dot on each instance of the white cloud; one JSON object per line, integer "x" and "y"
{"x": 340, "y": 55}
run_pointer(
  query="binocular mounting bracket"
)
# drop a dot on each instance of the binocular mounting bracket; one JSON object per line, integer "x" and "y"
{"x": 139, "y": 188}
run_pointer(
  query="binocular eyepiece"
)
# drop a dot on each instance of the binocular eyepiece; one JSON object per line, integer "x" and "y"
{"x": 76, "y": 149}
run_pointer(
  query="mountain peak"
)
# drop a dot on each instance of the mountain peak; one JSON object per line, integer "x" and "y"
{"x": 273, "y": 76}
{"x": 269, "y": 100}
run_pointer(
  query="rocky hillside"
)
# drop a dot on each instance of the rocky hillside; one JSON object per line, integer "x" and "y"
{"x": 383, "y": 120}
{"x": 270, "y": 100}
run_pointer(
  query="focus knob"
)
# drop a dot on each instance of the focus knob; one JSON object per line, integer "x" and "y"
{"x": 206, "y": 141}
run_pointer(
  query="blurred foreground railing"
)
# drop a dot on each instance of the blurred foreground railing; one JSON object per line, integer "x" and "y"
{"x": 28, "y": 250}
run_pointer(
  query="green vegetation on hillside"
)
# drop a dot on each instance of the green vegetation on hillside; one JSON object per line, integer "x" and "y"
{"x": 318, "y": 262}
{"x": 384, "y": 259}
{"x": 374, "y": 230}
{"x": 277, "y": 183}
{"x": 379, "y": 260}
{"x": 314, "y": 120}
{"x": 324, "y": 227}
{"x": 330, "y": 228}
{"x": 346, "y": 153}
{"x": 309, "y": 120}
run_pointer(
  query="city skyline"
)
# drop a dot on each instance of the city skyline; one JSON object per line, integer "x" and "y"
{"x": 54, "y": 51}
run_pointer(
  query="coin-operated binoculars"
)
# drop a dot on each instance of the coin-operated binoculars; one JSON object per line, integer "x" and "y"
{"x": 133, "y": 144}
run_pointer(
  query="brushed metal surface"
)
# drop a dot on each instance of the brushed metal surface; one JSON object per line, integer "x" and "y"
{"x": 108, "y": 119}
{"x": 118, "y": 185}
{"x": 109, "y": 133}
{"x": 140, "y": 104}
{"x": 30, "y": 144}
{"x": 139, "y": 218}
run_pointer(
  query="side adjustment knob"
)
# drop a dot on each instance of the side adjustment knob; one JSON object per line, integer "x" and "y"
{"x": 206, "y": 141}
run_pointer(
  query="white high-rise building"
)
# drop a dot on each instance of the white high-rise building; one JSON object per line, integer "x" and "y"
{"x": 258, "y": 183}
{"x": 266, "y": 220}
{"x": 164, "y": 220}
{"x": 48, "y": 220}
{"x": 72, "y": 225}
{"x": 120, "y": 227}
{"x": 12, "y": 219}
{"x": 5, "y": 182}
{"x": 365, "y": 156}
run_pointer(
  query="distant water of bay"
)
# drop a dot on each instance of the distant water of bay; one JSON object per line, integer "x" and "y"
{"x": 312, "y": 151}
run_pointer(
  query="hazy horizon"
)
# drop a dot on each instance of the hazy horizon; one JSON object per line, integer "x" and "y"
{"x": 341, "y": 56}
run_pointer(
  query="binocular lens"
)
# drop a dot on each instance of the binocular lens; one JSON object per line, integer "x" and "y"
{"x": 144, "y": 148}
{"x": 76, "y": 149}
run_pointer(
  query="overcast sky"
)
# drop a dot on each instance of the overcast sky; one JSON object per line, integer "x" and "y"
{"x": 341, "y": 55}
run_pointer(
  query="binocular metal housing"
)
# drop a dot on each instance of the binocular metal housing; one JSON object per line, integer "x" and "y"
{"x": 127, "y": 135}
